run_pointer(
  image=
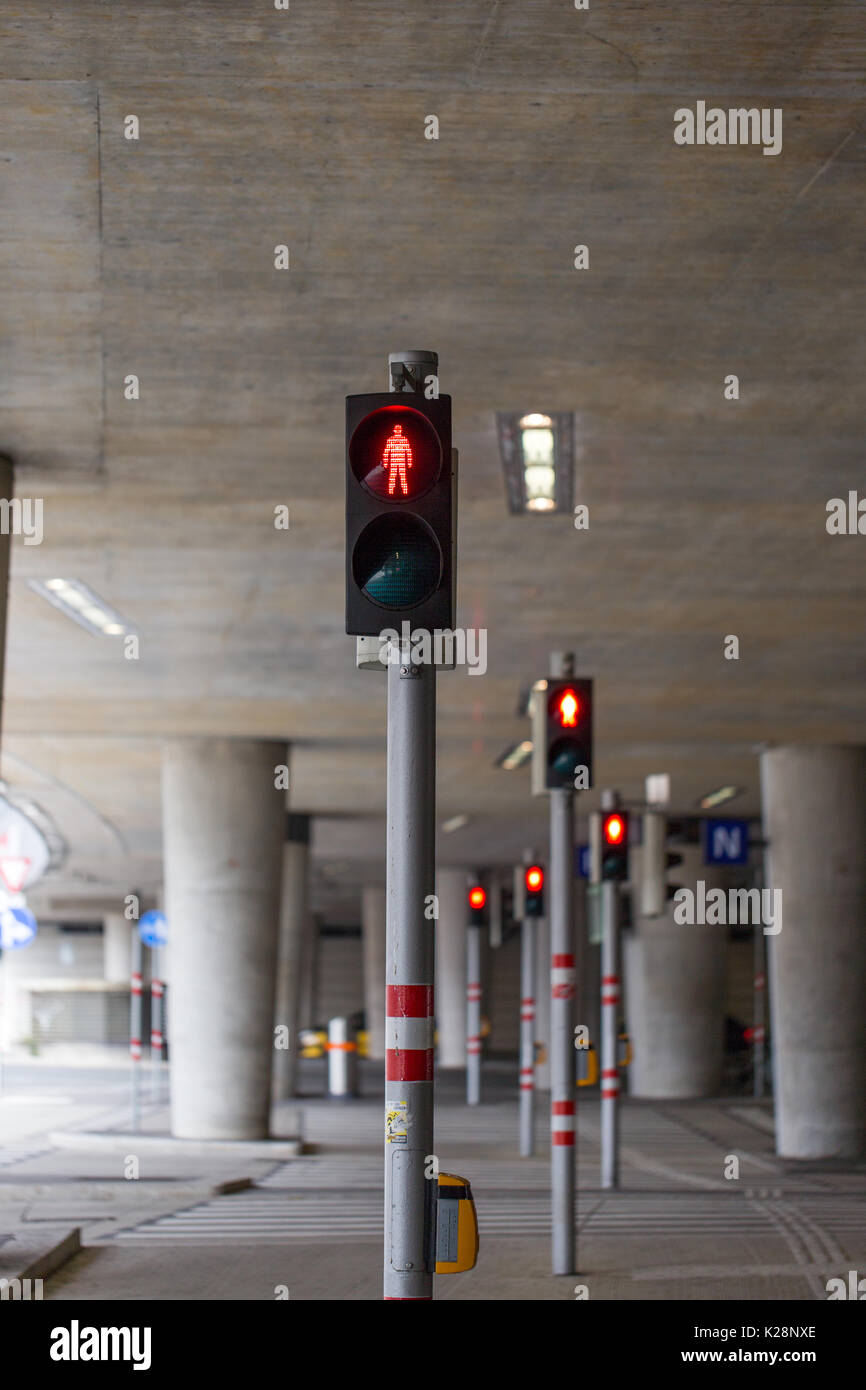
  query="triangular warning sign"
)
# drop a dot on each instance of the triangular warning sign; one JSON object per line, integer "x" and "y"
{"x": 13, "y": 871}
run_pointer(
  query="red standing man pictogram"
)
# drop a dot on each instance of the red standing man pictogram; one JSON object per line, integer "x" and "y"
{"x": 397, "y": 458}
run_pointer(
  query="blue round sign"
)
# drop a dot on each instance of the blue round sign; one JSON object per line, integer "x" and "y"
{"x": 17, "y": 928}
{"x": 153, "y": 929}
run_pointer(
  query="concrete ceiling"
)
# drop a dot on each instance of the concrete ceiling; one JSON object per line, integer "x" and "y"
{"x": 306, "y": 127}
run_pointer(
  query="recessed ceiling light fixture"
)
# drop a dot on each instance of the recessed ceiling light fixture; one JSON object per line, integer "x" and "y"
{"x": 82, "y": 605}
{"x": 537, "y": 454}
{"x": 515, "y": 756}
{"x": 719, "y": 797}
{"x": 455, "y": 823}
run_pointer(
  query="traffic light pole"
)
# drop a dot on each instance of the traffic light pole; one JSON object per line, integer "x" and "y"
{"x": 527, "y": 1037}
{"x": 135, "y": 1019}
{"x": 562, "y": 986}
{"x": 409, "y": 1194}
{"x": 473, "y": 1014}
{"x": 610, "y": 1007}
{"x": 610, "y": 996}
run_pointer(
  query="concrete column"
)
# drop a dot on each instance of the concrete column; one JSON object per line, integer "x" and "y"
{"x": 814, "y": 802}
{"x": 223, "y": 826}
{"x": 450, "y": 993}
{"x": 373, "y": 940}
{"x": 7, "y": 489}
{"x": 117, "y": 947}
{"x": 294, "y": 922}
{"x": 676, "y": 997}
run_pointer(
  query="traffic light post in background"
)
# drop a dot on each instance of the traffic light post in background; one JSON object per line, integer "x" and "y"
{"x": 532, "y": 908}
{"x": 477, "y": 901}
{"x": 400, "y": 506}
{"x": 562, "y": 762}
{"x": 610, "y": 866}
{"x": 135, "y": 1022}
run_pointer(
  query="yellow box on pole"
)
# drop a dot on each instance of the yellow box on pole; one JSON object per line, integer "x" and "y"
{"x": 456, "y": 1226}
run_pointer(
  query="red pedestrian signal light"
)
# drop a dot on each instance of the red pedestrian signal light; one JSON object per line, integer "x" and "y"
{"x": 399, "y": 512}
{"x": 533, "y": 881}
{"x": 614, "y": 846}
{"x": 567, "y": 709}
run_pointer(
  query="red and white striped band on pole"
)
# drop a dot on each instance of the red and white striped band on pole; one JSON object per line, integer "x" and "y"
{"x": 610, "y": 989}
{"x": 157, "y": 990}
{"x": 609, "y": 1084}
{"x": 409, "y": 1033}
{"x": 473, "y": 1045}
{"x": 527, "y": 1078}
{"x": 473, "y": 993}
{"x": 562, "y": 977}
{"x": 135, "y": 989}
{"x": 562, "y": 1122}
{"x": 527, "y": 1010}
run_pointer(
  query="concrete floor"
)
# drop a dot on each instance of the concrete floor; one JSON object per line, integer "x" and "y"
{"x": 677, "y": 1229}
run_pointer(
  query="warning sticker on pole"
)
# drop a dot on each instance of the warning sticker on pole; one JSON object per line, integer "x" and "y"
{"x": 397, "y": 1122}
{"x": 562, "y": 979}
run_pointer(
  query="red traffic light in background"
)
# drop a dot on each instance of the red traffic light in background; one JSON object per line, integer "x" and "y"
{"x": 477, "y": 904}
{"x": 567, "y": 735}
{"x": 614, "y": 846}
{"x": 614, "y": 829}
{"x": 533, "y": 882}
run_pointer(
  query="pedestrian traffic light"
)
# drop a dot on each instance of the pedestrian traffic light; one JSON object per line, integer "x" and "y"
{"x": 614, "y": 846}
{"x": 562, "y": 736}
{"x": 533, "y": 881}
{"x": 400, "y": 513}
{"x": 477, "y": 903}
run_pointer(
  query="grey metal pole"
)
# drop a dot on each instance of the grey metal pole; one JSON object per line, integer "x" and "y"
{"x": 410, "y": 849}
{"x": 473, "y": 1014}
{"x": 562, "y": 990}
{"x": 135, "y": 1016}
{"x": 157, "y": 991}
{"x": 610, "y": 996}
{"x": 527, "y": 1038}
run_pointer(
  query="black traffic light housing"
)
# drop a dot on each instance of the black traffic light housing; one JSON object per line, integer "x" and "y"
{"x": 400, "y": 513}
{"x": 533, "y": 888}
{"x": 614, "y": 846}
{"x": 568, "y": 732}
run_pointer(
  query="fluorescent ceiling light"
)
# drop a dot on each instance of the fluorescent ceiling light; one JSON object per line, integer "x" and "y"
{"x": 720, "y": 795}
{"x": 455, "y": 823}
{"x": 537, "y": 454}
{"x": 81, "y": 604}
{"x": 515, "y": 756}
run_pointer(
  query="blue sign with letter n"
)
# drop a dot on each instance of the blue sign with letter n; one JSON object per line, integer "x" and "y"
{"x": 726, "y": 841}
